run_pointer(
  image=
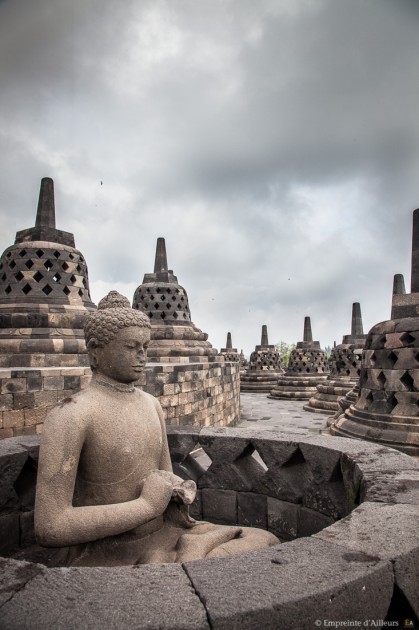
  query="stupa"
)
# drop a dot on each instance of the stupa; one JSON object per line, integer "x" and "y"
{"x": 387, "y": 409}
{"x": 229, "y": 353}
{"x": 264, "y": 367}
{"x": 193, "y": 382}
{"x": 44, "y": 298}
{"x": 174, "y": 337}
{"x": 345, "y": 368}
{"x": 307, "y": 368}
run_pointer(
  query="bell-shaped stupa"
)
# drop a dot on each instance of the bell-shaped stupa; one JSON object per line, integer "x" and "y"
{"x": 229, "y": 353}
{"x": 307, "y": 367}
{"x": 387, "y": 408}
{"x": 345, "y": 368}
{"x": 174, "y": 337}
{"x": 44, "y": 298}
{"x": 264, "y": 367}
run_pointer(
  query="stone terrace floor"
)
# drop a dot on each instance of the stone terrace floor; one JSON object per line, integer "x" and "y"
{"x": 286, "y": 416}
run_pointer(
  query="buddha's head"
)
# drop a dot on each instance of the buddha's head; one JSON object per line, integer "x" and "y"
{"x": 117, "y": 337}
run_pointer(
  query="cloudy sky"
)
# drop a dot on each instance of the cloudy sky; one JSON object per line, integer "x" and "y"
{"x": 274, "y": 144}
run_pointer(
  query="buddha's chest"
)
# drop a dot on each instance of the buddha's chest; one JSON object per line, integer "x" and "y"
{"x": 124, "y": 441}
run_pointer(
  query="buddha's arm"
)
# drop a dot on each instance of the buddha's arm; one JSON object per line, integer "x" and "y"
{"x": 57, "y": 522}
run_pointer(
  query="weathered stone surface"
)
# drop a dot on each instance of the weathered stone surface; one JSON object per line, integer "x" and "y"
{"x": 68, "y": 599}
{"x": 252, "y": 510}
{"x": 12, "y": 460}
{"x": 14, "y": 576}
{"x": 282, "y": 518}
{"x": 311, "y": 521}
{"x": 406, "y": 571}
{"x": 264, "y": 590}
{"x": 219, "y": 506}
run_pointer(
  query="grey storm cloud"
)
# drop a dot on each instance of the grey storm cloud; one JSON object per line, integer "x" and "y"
{"x": 273, "y": 143}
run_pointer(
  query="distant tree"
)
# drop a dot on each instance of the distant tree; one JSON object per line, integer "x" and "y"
{"x": 328, "y": 351}
{"x": 284, "y": 350}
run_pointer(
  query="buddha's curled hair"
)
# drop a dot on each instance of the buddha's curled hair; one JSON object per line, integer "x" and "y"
{"x": 113, "y": 313}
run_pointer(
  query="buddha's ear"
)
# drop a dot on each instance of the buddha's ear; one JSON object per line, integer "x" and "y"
{"x": 92, "y": 348}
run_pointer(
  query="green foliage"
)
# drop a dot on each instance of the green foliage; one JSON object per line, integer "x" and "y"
{"x": 328, "y": 351}
{"x": 284, "y": 350}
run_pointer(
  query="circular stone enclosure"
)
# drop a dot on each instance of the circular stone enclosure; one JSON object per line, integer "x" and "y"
{"x": 347, "y": 509}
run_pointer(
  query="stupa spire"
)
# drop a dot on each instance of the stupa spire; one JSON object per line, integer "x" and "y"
{"x": 356, "y": 323}
{"x": 160, "y": 263}
{"x": 308, "y": 335}
{"x": 398, "y": 284}
{"x": 229, "y": 344}
{"x": 264, "y": 339}
{"x": 414, "y": 284}
{"x": 45, "y": 214}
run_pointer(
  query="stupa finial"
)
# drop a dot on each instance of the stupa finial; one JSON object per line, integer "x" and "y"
{"x": 308, "y": 335}
{"x": 356, "y": 324}
{"x": 264, "y": 340}
{"x": 398, "y": 284}
{"x": 414, "y": 283}
{"x": 160, "y": 263}
{"x": 45, "y": 214}
{"x": 229, "y": 344}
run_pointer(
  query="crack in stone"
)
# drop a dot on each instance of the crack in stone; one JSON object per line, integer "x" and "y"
{"x": 201, "y": 599}
{"x": 23, "y": 585}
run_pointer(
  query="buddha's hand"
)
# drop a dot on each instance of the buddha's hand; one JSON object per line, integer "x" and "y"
{"x": 157, "y": 489}
{"x": 184, "y": 491}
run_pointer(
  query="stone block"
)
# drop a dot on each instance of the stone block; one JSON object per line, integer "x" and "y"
{"x": 390, "y": 487}
{"x": 34, "y": 383}
{"x": 6, "y": 402}
{"x": 9, "y": 532}
{"x": 23, "y": 401}
{"x": 219, "y": 506}
{"x": 310, "y": 522}
{"x": 72, "y": 382}
{"x": 14, "y": 418}
{"x": 13, "y": 385}
{"x": 252, "y": 510}
{"x": 27, "y": 533}
{"x": 282, "y": 518}
{"x": 35, "y": 416}
{"x": 148, "y": 596}
{"x": 389, "y": 532}
{"x": 12, "y": 459}
{"x": 52, "y": 383}
{"x": 291, "y": 586}
{"x": 406, "y": 571}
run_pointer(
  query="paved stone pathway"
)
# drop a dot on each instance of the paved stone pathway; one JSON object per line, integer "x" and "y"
{"x": 286, "y": 416}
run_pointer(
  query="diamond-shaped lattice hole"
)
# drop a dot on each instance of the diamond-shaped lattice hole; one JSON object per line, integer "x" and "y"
{"x": 381, "y": 378}
{"x": 38, "y": 276}
{"x": 80, "y": 292}
{"x": 8, "y": 289}
{"x": 168, "y": 306}
{"x": 168, "y": 291}
{"x": 177, "y": 291}
{"x": 64, "y": 266}
{"x": 407, "y": 339}
{"x": 12, "y": 264}
{"x": 8, "y": 254}
{"x": 56, "y": 277}
{"x": 185, "y": 316}
{"x": 179, "y": 305}
{"x": 157, "y": 290}
{"x": 408, "y": 382}
{"x": 73, "y": 279}
{"x": 162, "y": 298}
{"x": 29, "y": 264}
{"x": 156, "y": 306}
{"x": 392, "y": 402}
{"x": 369, "y": 398}
{"x": 81, "y": 259}
{"x": 3, "y": 278}
{"x": 71, "y": 257}
{"x": 182, "y": 299}
{"x": 47, "y": 289}
{"x": 175, "y": 315}
{"x": 84, "y": 282}
{"x": 78, "y": 268}
{"x": 27, "y": 289}
{"x": 57, "y": 254}
{"x": 19, "y": 276}
{"x": 148, "y": 290}
{"x": 150, "y": 315}
{"x": 48, "y": 264}
{"x": 392, "y": 357}
{"x": 39, "y": 253}
{"x": 66, "y": 290}
{"x": 22, "y": 252}
{"x": 174, "y": 298}
{"x": 163, "y": 315}
{"x": 373, "y": 358}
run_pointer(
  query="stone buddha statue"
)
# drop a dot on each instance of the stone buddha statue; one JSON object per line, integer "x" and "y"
{"x": 105, "y": 485}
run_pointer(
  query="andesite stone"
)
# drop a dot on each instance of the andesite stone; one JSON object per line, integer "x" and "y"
{"x": 229, "y": 353}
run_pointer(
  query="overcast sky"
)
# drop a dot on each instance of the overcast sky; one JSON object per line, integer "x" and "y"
{"x": 273, "y": 143}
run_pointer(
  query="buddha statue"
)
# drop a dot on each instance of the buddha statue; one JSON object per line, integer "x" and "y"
{"x": 105, "y": 486}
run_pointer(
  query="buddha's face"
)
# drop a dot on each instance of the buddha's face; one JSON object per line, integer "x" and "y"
{"x": 123, "y": 359}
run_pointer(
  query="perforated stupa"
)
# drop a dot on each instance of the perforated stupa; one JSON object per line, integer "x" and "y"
{"x": 345, "y": 368}
{"x": 264, "y": 367}
{"x": 387, "y": 409}
{"x": 307, "y": 367}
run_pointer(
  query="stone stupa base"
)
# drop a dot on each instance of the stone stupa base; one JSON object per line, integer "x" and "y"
{"x": 402, "y": 434}
{"x": 328, "y": 394}
{"x": 344, "y": 404}
{"x": 259, "y": 381}
{"x": 297, "y": 387}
